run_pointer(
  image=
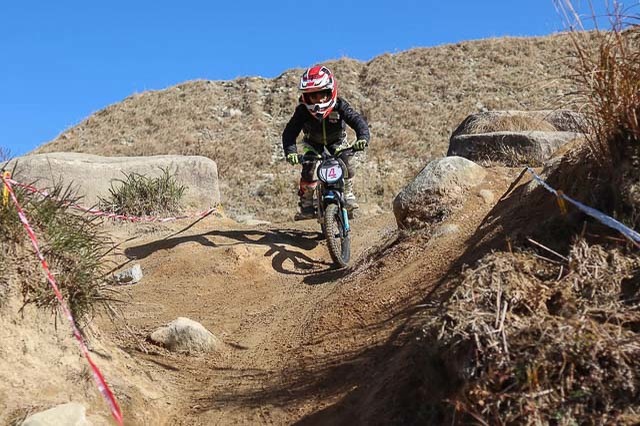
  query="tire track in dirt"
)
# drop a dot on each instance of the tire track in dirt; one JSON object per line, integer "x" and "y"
{"x": 300, "y": 337}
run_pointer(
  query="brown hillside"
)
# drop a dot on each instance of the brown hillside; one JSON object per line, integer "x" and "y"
{"x": 412, "y": 101}
{"x": 508, "y": 309}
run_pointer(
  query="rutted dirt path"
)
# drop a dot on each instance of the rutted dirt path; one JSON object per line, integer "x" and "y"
{"x": 299, "y": 337}
{"x": 253, "y": 287}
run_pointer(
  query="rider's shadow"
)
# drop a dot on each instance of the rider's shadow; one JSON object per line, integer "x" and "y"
{"x": 283, "y": 246}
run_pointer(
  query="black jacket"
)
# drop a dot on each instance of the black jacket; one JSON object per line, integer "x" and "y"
{"x": 334, "y": 125}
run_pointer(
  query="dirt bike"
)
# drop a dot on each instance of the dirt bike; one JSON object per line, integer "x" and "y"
{"x": 330, "y": 205}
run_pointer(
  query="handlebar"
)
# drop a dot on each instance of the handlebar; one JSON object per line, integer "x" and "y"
{"x": 306, "y": 158}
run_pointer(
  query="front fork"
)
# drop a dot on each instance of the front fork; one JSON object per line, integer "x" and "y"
{"x": 335, "y": 197}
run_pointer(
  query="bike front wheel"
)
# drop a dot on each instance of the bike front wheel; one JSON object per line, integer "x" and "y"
{"x": 338, "y": 239}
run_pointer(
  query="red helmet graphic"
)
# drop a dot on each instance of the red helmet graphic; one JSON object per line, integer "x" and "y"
{"x": 319, "y": 91}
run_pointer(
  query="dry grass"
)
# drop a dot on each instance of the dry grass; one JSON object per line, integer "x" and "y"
{"x": 139, "y": 195}
{"x": 528, "y": 340}
{"x": 610, "y": 80}
{"x": 532, "y": 341}
{"x": 512, "y": 157}
{"x": 412, "y": 101}
{"x": 4, "y": 280}
{"x": 72, "y": 245}
{"x": 5, "y": 154}
{"x": 511, "y": 123}
{"x": 607, "y": 76}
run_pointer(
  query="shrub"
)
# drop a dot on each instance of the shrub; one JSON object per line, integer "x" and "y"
{"x": 139, "y": 195}
{"x": 72, "y": 245}
{"x": 530, "y": 342}
{"x": 608, "y": 80}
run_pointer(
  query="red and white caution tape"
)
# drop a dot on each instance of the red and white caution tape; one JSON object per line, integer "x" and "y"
{"x": 110, "y": 215}
{"x": 97, "y": 375}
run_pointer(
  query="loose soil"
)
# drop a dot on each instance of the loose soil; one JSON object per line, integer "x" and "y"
{"x": 303, "y": 342}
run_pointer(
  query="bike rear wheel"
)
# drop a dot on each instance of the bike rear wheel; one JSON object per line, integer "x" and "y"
{"x": 338, "y": 240}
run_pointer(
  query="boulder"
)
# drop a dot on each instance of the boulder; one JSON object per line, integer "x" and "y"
{"x": 92, "y": 175}
{"x": 515, "y": 138}
{"x": 510, "y": 148}
{"x": 185, "y": 335}
{"x": 437, "y": 190}
{"x": 511, "y": 120}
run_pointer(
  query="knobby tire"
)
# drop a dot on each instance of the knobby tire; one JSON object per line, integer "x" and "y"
{"x": 339, "y": 244}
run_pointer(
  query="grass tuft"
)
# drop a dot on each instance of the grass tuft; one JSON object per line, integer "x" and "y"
{"x": 509, "y": 123}
{"x": 139, "y": 195}
{"x": 607, "y": 77}
{"x": 72, "y": 244}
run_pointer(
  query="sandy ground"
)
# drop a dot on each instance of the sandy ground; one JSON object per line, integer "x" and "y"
{"x": 303, "y": 342}
{"x": 260, "y": 289}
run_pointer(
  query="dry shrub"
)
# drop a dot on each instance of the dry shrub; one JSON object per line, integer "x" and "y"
{"x": 509, "y": 123}
{"x": 607, "y": 75}
{"x": 531, "y": 342}
{"x": 5, "y": 154}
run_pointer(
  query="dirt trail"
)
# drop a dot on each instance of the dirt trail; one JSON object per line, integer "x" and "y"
{"x": 299, "y": 336}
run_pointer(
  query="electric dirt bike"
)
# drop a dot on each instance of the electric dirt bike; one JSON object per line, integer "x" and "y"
{"x": 330, "y": 205}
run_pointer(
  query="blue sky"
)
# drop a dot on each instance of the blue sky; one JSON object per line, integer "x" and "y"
{"x": 65, "y": 60}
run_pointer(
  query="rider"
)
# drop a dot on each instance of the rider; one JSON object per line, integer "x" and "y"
{"x": 321, "y": 116}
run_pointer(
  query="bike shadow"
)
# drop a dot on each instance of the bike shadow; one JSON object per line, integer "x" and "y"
{"x": 284, "y": 246}
{"x": 331, "y": 274}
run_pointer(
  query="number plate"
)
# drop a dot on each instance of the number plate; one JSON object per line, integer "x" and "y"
{"x": 331, "y": 173}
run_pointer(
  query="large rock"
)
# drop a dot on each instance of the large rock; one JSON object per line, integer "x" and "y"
{"x": 515, "y": 138}
{"x": 512, "y": 120}
{"x": 510, "y": 148}
{"x": 93, "y": 175}
{"x": 436, "y": 191}
{"x": 185, "y": 335}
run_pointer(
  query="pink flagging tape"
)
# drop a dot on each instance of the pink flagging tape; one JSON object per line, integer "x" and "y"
{"x": 5, "y": 192}
{"x": 115, "y": 216}
{"x": 97, "y": 375}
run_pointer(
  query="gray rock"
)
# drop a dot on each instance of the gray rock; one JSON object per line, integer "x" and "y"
{"x": 185, "y": 335}
{"x": 129, "y": 276}
{"x": 548, "y": 120}
{"x": 437, "y": 190}
{"x": 446, "y": 229}
{"x": 510, "y": 148}
{"x": 71, "y": 414}
{"x": 515, "y": 138}
{"x": 92, "y": 175}
{"x": 251, "y": 221}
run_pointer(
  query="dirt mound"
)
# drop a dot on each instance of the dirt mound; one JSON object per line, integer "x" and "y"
{"x": 525, "y": 337}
